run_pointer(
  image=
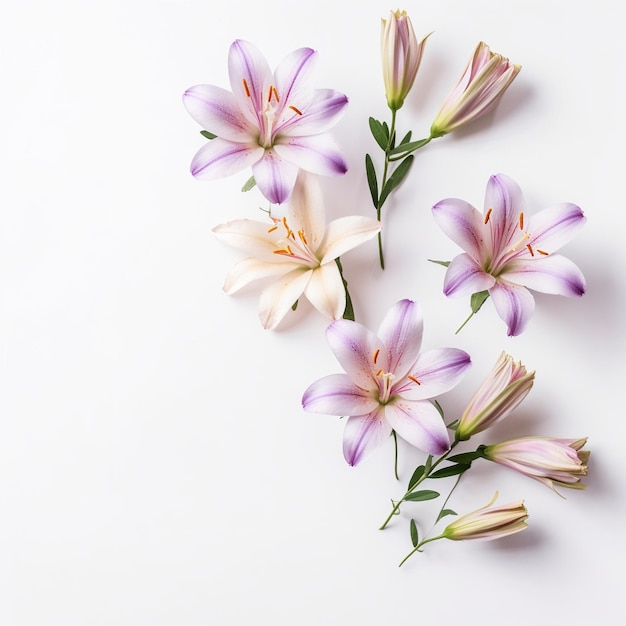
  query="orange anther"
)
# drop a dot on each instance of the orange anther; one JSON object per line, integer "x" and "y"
{"x": 375, "y": 358}
{"x": 521, "y": 221}
{"x": 245, "y": 86}
{"x": 417, "y": 382}
{"x": 530, "y": 249}
{"x": 293, "y": 108}
{"x": 487, "y": 215}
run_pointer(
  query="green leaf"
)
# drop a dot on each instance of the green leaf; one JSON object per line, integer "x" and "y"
{"x": 409, "y": 147}
{"x": 395, "y": 179}
{"x": 378, "y": 131}
{"x": 438, "y": 407}
{"x": 465, "y": 458}
{"x": 249, "y": 184}
{"x": 444, "y": 263}
{"x": 348, "y": 312}
{"x": 477, "y": 300}
{"x": 445, "y": 512}
{"x": 406, "y": 138}
{"x": 207, "y": 134}
{"x": 451, "y": 470}
{"x": 414, "y": 536}
{"x": 417, "y": 474}
{"x": 294, "y": 306}
{"x": 420, "y": 496}
{"x": 371, "y": 179}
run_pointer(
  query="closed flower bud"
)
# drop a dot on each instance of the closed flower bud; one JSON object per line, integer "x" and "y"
{"x": 488, "y": 523}
{"x": 505, "y": 387}
{"x": 551, "y": 461}
{"x": 401, "y": 57}
{"x": 483, "y": 82}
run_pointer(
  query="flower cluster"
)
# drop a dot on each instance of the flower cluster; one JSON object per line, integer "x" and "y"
{"x": 277, "y": 123}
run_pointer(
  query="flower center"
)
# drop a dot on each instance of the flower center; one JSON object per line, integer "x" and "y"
{"x": 292, "y": 245}
{"x": 273, "y": 114}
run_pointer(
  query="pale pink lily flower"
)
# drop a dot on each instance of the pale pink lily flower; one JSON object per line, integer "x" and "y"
{"x": 508, "y": 253}
{"x": 388, "y": 384}
{"x": 488, "y": 522}
{"x": 477, "y": 92}
{"x": 275, "y": 122}
{"x": 401, "y": 57}
{"x": 506, "y": 385}
{"x": 551, "y": 461}
{"x": 298, "y": 252}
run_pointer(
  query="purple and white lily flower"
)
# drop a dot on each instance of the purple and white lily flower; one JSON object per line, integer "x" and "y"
{"x": 388, "y": 384}
{"x": 275, "y": 122}
{"x": 298, "y": 251}
{"x": 507, "y": 254}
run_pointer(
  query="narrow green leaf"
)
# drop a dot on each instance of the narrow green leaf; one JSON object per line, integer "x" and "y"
{"x": 417, "y": 474}
{"x": 451, "y": 470}
{"x": 348, "y": 313}
{"x": 445, "y": 512}
{"x": 294, "y": 306}
{"x": 444, "y": 263}
{"x": 409, "y": 147}
{"x": 249, "y": 184}
{"x": 396, "y": 178}
{"x": 465, "y": 458}
{"x": 207, "y": 134}
{"x": 371, "y": 179}
{"x": 406, "y": 138}
{"x": 420, "y": 496}
{"x": 414, "y": 536}
{"x": 477, "y": 300}
{"x": 379, "y": 134}
{"x": 439, "y": 408}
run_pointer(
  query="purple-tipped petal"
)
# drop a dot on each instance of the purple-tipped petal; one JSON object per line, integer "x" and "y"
{"x": 401, "y": 333}
{"x": 363, "y": 434}
{"x": 420, "y": 424}
{"x": 358, "y": 351}
{"x": 317, "y": 153}
{"x": 293, "y": 78}
{"x": 321, "y": 113}
{"x": 514, "y": 304}
{"x": 250, "y": 79}
{"x": 338, "y": 395}
{"x": 463, "y": 224}
{"x": 505, "y": 198}
{"x": 436, "y": 372}
{"x": 552, "y": 274}
{"x": 464, "y": 277}
{"x": 274, "y": 176}
{"x": 216, "y": 109}
{"x": 219, "y": 158}
{"x": 555, "y": 226}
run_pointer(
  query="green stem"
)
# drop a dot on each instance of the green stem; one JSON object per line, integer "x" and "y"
{"x": 379, "y": 206}
{"x": 395, "y": 458}
{"x": 458, "y": 330}
{"x": 417, "y": 548}
{"x": 443, "y": 506}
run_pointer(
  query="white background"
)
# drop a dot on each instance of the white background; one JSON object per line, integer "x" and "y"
{"x": 155, "y": 465}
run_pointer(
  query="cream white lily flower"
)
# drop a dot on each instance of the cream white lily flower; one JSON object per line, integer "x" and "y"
{"x": 299, "y": 251}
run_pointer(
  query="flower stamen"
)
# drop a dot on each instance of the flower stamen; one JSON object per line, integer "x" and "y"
{"x": 543, "y": 252}
{"x": 417, "y": 382}
{"x": 521, "y": 221}
{"x": 303, "y": 237}
{"x": 245, "y": 86}
{"x": 293, "y": 108}
{"x": 530, "y": 249}
{"x": 375, "y": 357}
{"x": 518, "y": 242}
{"x": 487, "y": 215}
{"x": 271, "y": 229}
{"x": 273, "y": 91}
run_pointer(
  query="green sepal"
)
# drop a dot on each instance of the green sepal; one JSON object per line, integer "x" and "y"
{"x": 445, "y": 512}
{"x": 409, "y": 147}
{"x": 451, "y": 470}
{"x": 417, "y": 474}
{"x": 207, "y": 134}
{"x": 406, "y": 138}
{"x": 420, "y": 496}
{"x": 348, "y": 312}
{"x": 466, "y": 458}
{"x": 444, "y": 263}
{"x": 379, "y": 134}
{"x": 395, "y": 179}
{"x": 477, "y": 300}
{"x": 249, "y": 184}
{"x": 371, "y": 179}
{"x": 294, "y": 306}
{"x": 414, "y": 536}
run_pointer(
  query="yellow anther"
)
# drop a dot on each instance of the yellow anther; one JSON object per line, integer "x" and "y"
{"x": 303, "y": 237}
{"x": 272, "y": 228}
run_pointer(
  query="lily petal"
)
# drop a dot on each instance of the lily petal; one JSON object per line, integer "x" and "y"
{"x": 401, "y": 332}
{"x": 278, "y": 298}
{"x": 505, "y": 198}
{"x": 514, "y": 304}
{"x": 251, "y": 269}
{"x": 338, "y": 395}
{"x": 364, "y": 433}
{"x": 326, "y": 292}
{"x": 346, "y": 233}
{"x": 420, "y": 424}
{"x": 463, "y": 224}
{"x": 219, "y": 158}
{"x": 355, "y": 347}
{"x": 306, "y": 210}
{"x": 216, "y": 109}
{"x": 324, "y": 111}
{"x": 316, "y": 153}
{"x": 246, "y": 63}
{"x": 464, "y": 277}
{"x": 436, "y": 372}
{"x": 250, "y": 235}
{"x": 555, "y": 226}
{"x": 293, "y": 77}
{"x": 274, "y": 176}
{"x": 552, "y": 274}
